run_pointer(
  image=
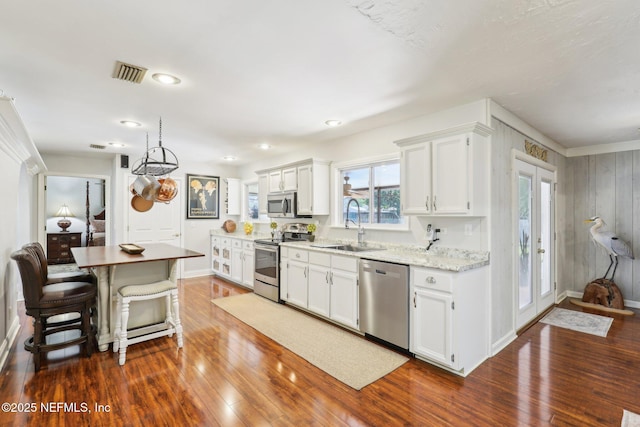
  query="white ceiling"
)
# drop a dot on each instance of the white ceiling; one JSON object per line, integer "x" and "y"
{"x": 273, "y": 71}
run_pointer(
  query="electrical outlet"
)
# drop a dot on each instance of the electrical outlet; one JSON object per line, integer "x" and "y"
{"x": 468, "y": 229}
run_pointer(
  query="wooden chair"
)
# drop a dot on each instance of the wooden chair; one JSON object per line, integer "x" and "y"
{"x": 65, "y": 276}
{"x": 164, "y": 289}
{"x": 55, "y": 308}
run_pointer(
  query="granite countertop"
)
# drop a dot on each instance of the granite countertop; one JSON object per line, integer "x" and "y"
{"x": 441, "y": 258}
{"x": 239, "y": 234}
{"x": 437, "y": 257}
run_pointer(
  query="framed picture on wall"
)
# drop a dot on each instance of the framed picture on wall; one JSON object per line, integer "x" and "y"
{"x": 203, "y": 201}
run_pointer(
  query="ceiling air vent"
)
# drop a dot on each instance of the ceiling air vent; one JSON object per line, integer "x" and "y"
{"x": 128, "y": 72}
{"x": 98, "y": 147}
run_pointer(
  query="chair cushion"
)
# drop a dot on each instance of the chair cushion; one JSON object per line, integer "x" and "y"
{"x": 149, "y": 289}
{"x": 70, "y": 276}
{"x": 65, "y": 293}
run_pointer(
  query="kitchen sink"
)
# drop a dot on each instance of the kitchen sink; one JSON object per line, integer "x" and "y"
{"x": 347, "y": 248}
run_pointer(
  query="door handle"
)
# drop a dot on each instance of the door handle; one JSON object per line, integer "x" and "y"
{"x": 415, "y": 294}
{"x": 540, "y": 251}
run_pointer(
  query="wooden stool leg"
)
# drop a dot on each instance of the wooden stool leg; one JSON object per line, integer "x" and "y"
{"x": 86, "y": 329}
{"x": 116, "y": 334}
{"x": 38, "y": 340}
{"x": 123, "y": 330}
{"x": 176, "y": 314}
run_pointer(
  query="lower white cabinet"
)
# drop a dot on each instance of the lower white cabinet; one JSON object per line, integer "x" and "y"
{"x": 322, "y": 283}
{"x": 296, "y": 269}
{"x": 448, "y": 318}
{"x": 233, "y": 259}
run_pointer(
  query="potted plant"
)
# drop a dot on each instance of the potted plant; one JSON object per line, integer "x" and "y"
{"x": 311, "y": 228}
{"x": 273, "y": 226}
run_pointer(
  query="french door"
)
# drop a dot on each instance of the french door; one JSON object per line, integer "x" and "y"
{"x": 534, "y": 241}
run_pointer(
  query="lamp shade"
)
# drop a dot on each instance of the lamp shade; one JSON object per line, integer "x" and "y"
{"x": 64, "y": 211}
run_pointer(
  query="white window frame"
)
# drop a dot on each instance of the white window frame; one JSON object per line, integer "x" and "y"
{"x": 336, "y": 191}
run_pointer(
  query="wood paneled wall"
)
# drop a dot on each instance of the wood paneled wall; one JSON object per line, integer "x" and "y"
{"x": 503, "y": 140}
{"x": 607, "y": 185}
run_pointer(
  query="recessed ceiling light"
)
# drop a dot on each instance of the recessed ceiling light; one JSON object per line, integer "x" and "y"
{"x": 333, "y": 123}
{"x": 229, "y": 158}
{"x": 117, "y": 144}
{"x": 130, "y": 123}
{"x": 166, "y": 79}
{"x": 264, "y": 146}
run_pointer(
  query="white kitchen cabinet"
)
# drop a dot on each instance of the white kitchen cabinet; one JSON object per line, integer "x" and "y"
{"x": 344, "y": 291}
{"x": 415, "y": 179}
{"x": 216, "y": 253}
{"x": 297, "y": 272}
{"x": 448, "y": 318}
{"x": 332, "y": 287}
{"x": 225, "y": 257}
{"x": 313, "y": 188}
{"x": 263, "y": 190}
{"x": 232, "y": 196}
{"x": 319, "y": 285}
{"x": 446, "y": 172}
{"x": 284, "y": 179}
{"x": 248, "y": 263}
{"x": 233, "y": 259}
{"x": 309, "y": 178}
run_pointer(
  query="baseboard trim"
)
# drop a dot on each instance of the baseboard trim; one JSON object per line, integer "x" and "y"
{"x": 500, "y": 345}
{"x": 7, "y": 343}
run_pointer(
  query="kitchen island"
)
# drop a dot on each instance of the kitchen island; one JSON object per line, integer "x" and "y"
{"x": 115, "y": 268}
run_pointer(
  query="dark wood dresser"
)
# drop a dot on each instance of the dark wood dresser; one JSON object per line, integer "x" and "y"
{"x": 59, "y": 247}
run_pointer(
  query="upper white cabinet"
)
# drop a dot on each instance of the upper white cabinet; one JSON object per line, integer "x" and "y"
{"x": 263, "y": 190}
{"x": 309, "y": 178}
{"x": 285, "y": 179}
{"x": 232, "y": 196}
{"x": 313, "y": 188}
{"x": 446, "y": 172}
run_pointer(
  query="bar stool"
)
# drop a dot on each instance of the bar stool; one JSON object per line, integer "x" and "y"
{"x": 164, "y": 289}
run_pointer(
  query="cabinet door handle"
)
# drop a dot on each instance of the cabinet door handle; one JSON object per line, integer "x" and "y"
{"x": 326, "y": 277}
{"x": 331, "y": 278}
{"x": 435, "y": 208}
{"x": 305, "y": 272}
{"x": 415, "y": 294}
{"x": 430, "y": 279}
{"x": 426, "y": 203}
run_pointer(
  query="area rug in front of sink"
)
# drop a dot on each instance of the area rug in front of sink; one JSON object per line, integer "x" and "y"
{"x": 341, "y": 354}
{"x": 578, "y": 321}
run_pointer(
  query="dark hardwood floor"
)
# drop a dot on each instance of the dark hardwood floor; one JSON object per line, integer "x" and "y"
{"x": 228, "y": 374}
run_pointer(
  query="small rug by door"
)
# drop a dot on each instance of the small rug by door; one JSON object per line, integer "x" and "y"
{"x": 341, "y": 354}
{"x": 578, "y": 321}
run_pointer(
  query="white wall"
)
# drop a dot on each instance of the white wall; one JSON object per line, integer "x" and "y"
{"x": 504, "y": 140}
{"x": 19, "y": 160}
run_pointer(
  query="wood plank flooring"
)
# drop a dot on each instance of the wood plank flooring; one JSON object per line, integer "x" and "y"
{"x": 230, "y": 375}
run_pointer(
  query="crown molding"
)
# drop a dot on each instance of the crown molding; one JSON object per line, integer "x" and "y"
{"x": 15, "y": 140}
{"x": 475, "y": 127}
{"x": 614, "y": 147}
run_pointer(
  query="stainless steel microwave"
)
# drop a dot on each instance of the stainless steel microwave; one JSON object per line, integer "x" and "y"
{"x": 283, "y": 205}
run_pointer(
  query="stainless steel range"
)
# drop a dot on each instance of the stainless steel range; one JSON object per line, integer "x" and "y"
{"x": 267, "y": 260}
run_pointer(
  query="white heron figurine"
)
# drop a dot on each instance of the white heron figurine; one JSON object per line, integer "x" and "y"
{"x": 614, "y": 246}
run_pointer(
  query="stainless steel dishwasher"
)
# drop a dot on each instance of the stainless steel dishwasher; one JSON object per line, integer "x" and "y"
{"x": 384, "y": 301}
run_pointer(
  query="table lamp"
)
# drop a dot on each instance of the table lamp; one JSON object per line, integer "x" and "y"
{"x": 64, "y": 212}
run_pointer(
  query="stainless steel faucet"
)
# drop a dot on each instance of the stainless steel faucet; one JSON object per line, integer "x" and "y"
{"x": 359, "y": 225}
